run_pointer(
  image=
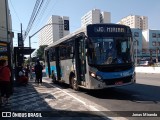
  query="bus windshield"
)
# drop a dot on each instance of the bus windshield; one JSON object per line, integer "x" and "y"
{"x": 109, "y": 50}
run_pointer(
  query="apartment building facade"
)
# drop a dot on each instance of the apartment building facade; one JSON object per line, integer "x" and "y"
{"x": 137, "y": 37}
{"x": 151, "y": 43}
{"x": 95, "y": 16}
{"x": 146, "y": 44}
{"x": 135, "y": 21}
{"x": 54, "y": 30}
{"x": 5, "y": 13}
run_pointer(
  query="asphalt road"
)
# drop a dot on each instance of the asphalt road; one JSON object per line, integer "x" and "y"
{"x": 142, "y": 96}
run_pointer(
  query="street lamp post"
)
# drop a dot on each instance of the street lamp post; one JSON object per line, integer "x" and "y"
{"x": 136, "y": 50}
{"x": 30, "y": 59}
{"x": 157, "y": 49}
{"x": 150, "y": 50}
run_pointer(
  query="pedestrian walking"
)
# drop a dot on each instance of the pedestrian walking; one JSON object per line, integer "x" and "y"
{"x": 38, "y": 72}
{"x": 5, "y": 83}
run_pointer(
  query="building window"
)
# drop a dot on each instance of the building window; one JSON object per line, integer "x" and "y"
{"x": 136, "y": 34}
{"x": 158, "y": 35}
{"x": 153, "y": 51}
{"x": 136, "y": 43}
{"x": 143, "y": 51}
{"x": 154, "y": 35}
{"x": 153, "y": 43}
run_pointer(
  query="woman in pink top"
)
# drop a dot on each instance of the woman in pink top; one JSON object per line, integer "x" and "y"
{"x": 5, "y": 83}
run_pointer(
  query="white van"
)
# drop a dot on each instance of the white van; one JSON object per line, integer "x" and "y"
{"x": 144, "y": 63}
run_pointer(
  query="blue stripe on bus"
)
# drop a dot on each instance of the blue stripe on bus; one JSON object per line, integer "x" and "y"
{"x": 113, "y": 75}
{"x": 51, "y": 68}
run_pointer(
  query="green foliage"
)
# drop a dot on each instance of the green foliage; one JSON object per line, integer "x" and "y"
{"x": 40, "y": 52}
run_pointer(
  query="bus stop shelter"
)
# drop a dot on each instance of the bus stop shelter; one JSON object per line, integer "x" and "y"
{"x": 19, "y": 53}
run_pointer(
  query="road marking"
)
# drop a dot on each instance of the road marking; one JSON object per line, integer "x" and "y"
{"x": 89, "y": 106}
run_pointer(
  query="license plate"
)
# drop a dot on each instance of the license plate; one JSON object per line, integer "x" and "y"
{"x": 118, "y": 82}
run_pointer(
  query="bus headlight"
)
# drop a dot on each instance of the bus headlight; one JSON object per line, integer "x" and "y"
{"x": 93, "y": 75}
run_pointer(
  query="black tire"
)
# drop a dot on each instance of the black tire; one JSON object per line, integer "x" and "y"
{"x": 74, "y": 83}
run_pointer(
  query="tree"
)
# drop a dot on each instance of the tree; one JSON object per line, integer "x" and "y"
{"x": 40, "y": 52}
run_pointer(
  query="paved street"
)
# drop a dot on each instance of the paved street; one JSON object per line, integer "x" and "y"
{"x": 59, "y": 101}
{"x": 50, "y": 102}
{"x": 142, "y": 96}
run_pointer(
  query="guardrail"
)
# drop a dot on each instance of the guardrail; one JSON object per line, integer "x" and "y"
{"x": 147, "y": 69}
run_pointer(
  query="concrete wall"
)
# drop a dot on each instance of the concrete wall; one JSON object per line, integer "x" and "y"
{"x": 147, "y": 69}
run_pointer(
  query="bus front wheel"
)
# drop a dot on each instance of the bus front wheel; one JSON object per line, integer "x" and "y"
{"x": 74, "y": 83}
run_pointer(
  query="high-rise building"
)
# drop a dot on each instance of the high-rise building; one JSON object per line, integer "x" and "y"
{"x": 56, "y": 28}
{"x": 95, "y": 16}
{"x": 135, "y": 21}
{"x": 5, "y": 13}
{"x": 137, "y": 37}
{"x": 151, "y": 42}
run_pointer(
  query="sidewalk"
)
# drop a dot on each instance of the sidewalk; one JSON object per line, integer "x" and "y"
{"x": 49, "y": 102}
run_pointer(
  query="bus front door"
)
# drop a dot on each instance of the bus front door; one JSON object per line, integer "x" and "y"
{"x": 80, "y": 60}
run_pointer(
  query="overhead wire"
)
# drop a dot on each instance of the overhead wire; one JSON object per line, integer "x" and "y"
{"x": 39, "y": 19}
{"x": 38, "y": 12}
{"x": 15, "y": 11}
{"x": 50, "y": 10}
{"x": 35, "y": 12}
{"x": 49, "y": 13}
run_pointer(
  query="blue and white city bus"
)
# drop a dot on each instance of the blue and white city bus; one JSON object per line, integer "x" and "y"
{"x": 95, "y": 57}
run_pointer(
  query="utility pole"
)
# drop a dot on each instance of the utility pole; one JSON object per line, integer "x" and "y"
{"x": 22, "y": 36}
{"x": 157, "y": 49}
{"x": 30, "y": 59}
{"x": 22, "y": 44}
{"x": 136, "y": 51}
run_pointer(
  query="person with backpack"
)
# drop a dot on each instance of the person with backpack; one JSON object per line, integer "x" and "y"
{"x": 38, "y": 72}
{"x": 5, "y": 83}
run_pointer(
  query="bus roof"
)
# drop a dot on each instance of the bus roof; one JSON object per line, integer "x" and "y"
{"x": 80, "y": 30}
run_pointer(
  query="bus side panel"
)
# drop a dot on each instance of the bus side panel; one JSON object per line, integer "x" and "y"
{"x": 66, "y": 68}
{"x": 94, "y": 84}
{"x": 87, "y": 76}
{"x": 53, "y": 67}
{"x": 90, "y": 82}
